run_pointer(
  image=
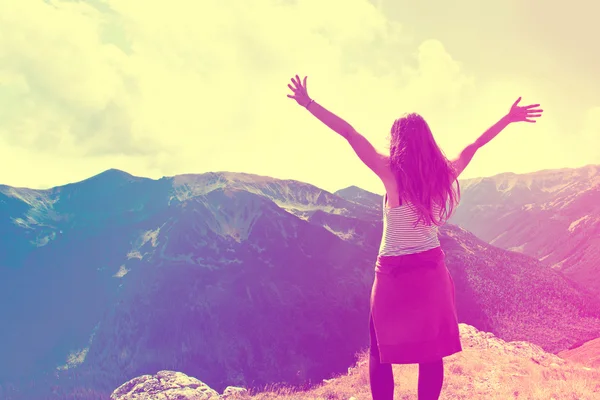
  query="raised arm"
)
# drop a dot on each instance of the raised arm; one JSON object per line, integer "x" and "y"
{"x": 377, "y": 162}
{"x": 516, "y": 114}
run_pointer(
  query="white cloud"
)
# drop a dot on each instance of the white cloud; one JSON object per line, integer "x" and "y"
{"x": 64, "y": 90}
{"x": 189, "y": 86}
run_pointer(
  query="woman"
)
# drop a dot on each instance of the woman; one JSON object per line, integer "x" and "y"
{"x": 413, "y": 316}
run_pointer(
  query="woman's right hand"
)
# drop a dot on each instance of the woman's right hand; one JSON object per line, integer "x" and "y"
{"x": 300, "y": 91}
{"x": 526, "y": 113}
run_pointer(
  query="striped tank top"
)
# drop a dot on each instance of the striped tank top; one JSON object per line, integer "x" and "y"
{"x": 400, "y": 237}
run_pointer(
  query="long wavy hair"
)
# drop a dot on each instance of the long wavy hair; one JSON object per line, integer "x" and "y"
{"x": 424, "y": 175}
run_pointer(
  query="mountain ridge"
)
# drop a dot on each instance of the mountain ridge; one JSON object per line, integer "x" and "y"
{"x": 552, "y": 215}
{"x": 169, "y": 274}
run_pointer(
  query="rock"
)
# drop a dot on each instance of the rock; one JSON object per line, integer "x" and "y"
{"x": 165, "y": 385}
{"x": 233, "y": 390}
{"x": 474, "y": 338}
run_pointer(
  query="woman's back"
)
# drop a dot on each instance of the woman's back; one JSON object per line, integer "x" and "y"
{"x": 403, "y": 233}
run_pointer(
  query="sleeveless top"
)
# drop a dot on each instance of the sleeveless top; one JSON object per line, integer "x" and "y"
{"x": 400, "y": 237}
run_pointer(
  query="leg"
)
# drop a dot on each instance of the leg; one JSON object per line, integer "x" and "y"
{"x": 380, "y": 375}
{"x": 431, "y": 378}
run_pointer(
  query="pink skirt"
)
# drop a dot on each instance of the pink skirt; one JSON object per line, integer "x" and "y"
{"x": 413, "y": 308}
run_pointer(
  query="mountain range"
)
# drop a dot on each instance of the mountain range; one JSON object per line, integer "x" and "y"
{"x": 234, "y": 278}
{"x": 551, "y": 215}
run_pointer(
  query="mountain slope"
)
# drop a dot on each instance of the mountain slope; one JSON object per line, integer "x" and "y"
{"x": 552, "y": 215}
{"x": 171, "y": 274}
{"x": 235, "y": 278}
{"x": 242, "y": 305}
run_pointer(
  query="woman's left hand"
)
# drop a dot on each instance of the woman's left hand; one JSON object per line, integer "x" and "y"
{"x": 300, "y": 93}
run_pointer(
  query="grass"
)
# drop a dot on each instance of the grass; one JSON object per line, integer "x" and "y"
{"x": 483, "y": 370}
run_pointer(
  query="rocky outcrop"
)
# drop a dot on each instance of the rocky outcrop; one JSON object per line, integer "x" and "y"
{"x": 165, "y": 385}
{"x": 171, "y": 385}
{"x": 233, "y": 391}
{"x": 471, "y": 337}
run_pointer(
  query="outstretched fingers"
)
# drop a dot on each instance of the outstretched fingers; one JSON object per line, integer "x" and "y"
{"x": 531, "y": 106}
{"x": 292, "y": 96}
{"x": 530, "y": 115}
{"x": 298, "y": 87}
{"x": 296, "y": 84}
{"x": 534, "y": 113}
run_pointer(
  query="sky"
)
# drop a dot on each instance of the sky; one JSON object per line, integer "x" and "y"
{"x": 165, "y": 88}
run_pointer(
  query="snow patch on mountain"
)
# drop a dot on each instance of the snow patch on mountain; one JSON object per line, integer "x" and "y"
{"x": 575, "y": 223}
{"x": 500, "y": 236}
{"x": 517, "y": 249}
{"x": 77, "y": 357}
{"x": 74, "y": 359}
{"x": 150, "y": 236}
{"x": 341, "y": 234}
{"x": 303, "y": 215}
{"x": 121, "y": 272}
